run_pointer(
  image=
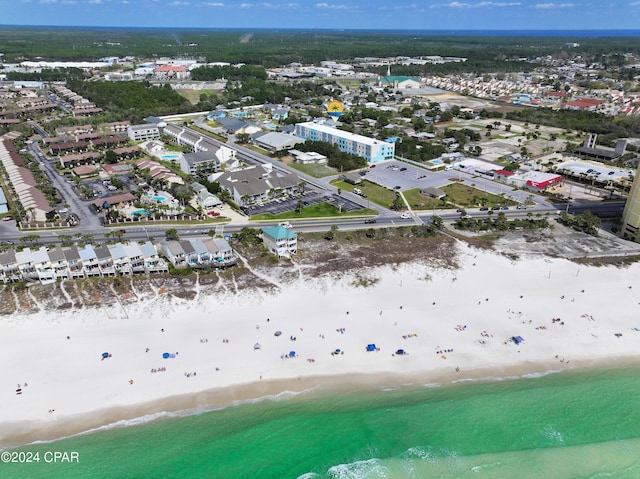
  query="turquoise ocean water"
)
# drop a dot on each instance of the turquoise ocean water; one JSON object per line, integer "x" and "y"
{"x": 575, "y": 424}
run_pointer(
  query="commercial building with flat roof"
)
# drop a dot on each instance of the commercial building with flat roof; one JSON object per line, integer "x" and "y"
{"x": 369, "y": 148}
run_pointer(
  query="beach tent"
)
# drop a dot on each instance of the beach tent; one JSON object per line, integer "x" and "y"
{"x": 371, "y": 347}
{"x": 257, "y": 346}
{"x": 400, "y": 352}
{"x": 292, "y": 354}
{"x": 105, "y": 355}
{"x": 166, "y": 355}
{"x": 517, "y": 339}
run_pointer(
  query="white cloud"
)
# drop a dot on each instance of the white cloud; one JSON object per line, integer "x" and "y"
{"x": 333, "y": 6}
{"x": 477, "y": 5}
{"x": 213, "y": 4}
{"x": 48, "y": 1}
{"x": 178, "y": 3}
{"x": 554, "y": 5}
{"x": 634, "y": 4}
{"x": 95, "y": 2}
{"x": 245, "y": 5}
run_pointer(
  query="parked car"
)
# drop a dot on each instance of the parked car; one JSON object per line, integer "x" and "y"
{"x": 286, "y": 225}
{"x": 521, "y": 207}
{"x": 484, "y": 208}
{"x": 122, "y": 231}
{"x": 495, "y": 208}
{"x": 403, "y": 169}
{"x": 504, "y": 208}
{"x": 7, "y": 218}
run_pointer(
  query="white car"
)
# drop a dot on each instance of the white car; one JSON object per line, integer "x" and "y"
{"x": 405, "y": 216}
{"x": 286, "y": 225}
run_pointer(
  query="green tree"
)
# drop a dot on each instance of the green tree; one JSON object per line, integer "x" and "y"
{"x": 171, "y": 234}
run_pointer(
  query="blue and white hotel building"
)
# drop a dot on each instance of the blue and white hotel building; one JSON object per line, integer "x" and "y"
{"x": 373, "y": 150}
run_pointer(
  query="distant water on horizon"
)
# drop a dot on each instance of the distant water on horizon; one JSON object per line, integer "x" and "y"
{"x": 574, "y": 424}
{"x": 565, "y": 33}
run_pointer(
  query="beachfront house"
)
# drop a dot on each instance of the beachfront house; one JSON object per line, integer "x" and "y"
{"x": 9, "y": 270}
{"x": 173, "y": 252}
{"x": 190, "y": 254}
{"x": 134, "y": 256}
{"x": 105, "y": 261}
{"x": 89, "y": 260}
{"x": 220, "y": 252}
{"x": 152, "y": 262}
{"x": 280, "y": 241}
{"x": 59, "y": 264}
{"x": 75, "y": 268}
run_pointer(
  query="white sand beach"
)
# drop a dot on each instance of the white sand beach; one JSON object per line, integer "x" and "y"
{"x": 454, "y": 324}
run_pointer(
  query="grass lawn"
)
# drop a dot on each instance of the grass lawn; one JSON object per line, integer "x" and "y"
{"x": 317, "y": 171}
{"x": 320, "y": 210}
{"x": 257, "y": 149}
{"x": 422, "y": 202}
{"x": 194, "y": 95}
{"x": 463, "y": 195}
{"x": 209, "y": 133}
{"x": 375, "y": 193}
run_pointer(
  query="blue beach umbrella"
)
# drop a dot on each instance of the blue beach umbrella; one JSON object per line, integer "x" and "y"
{"x": 165, "y": 355}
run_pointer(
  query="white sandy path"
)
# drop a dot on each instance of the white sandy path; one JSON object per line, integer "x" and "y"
{"x": 69, "y": 376}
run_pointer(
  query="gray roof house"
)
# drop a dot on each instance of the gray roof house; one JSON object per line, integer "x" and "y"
{"x": 199, "y": 163}
{"x": 204, "y": 198}
{"x": 257, "y": 183}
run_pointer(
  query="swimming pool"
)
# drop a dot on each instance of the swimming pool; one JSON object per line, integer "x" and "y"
{"x": 139, "y": 213}
{"x": 435, "y": 161}
{"x": 159, "y": 199}
{"x": 170, "y": 157}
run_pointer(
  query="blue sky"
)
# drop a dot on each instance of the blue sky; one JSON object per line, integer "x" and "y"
{"x": 348, "y": 14}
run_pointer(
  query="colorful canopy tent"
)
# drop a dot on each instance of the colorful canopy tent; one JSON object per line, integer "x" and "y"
{"x": 371, "y": 347}
{"x": 517, "y": 339}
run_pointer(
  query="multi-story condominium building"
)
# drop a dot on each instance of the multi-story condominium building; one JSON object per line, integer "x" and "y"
{"x": 257, "y": 183}
{"x": 199, "y": 143}
{"x": 147, "y": 131}
{"x": 369, "y": 148}
{"x": 631, "y": 215}
{"x": 280, "y": 241}
{"x": 200, "y": 163}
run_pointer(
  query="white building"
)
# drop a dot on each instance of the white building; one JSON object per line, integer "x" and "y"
{"x": 147, "y": 131}
{"x": 369, "y": 148}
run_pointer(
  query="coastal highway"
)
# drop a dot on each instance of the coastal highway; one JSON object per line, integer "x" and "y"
{"x": 138, "y": 231}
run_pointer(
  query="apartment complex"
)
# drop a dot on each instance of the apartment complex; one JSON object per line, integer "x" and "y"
{"x": 48, "y": 265}
{"x": 369, "y": 148}
{"x": 144, "y": 132}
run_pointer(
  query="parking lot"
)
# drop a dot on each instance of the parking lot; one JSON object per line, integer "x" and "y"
{"x": 404, "y": 176}
{"x": 590, "y": 170}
